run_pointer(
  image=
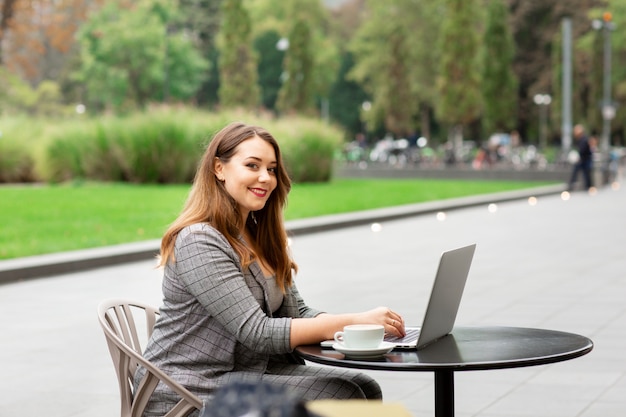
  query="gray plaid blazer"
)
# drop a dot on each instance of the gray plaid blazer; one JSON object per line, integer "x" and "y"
{"x": 215, "y": 323}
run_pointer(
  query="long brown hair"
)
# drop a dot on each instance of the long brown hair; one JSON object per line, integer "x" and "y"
{"x": 209, "y": 202}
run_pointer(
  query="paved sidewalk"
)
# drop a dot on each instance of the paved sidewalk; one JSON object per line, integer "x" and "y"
{"x": 546, "y": 263}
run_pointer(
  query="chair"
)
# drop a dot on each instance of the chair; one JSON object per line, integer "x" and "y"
{"x": 118, "y": 321}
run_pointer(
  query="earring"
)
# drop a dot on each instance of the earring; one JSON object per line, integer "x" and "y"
{"x": 253, "y": 217}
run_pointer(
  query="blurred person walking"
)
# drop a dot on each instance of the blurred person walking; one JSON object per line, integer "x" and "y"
{"x": 584, "y": 163}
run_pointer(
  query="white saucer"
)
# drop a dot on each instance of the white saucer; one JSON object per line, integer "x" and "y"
{"x": 384, "y": 347}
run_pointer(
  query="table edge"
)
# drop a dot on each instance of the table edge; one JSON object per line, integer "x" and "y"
{"x": 453, "y": 366}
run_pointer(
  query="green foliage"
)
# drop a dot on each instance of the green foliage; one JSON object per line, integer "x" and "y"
{"x": 130, "y": 57}
{"x": 64, "y": 156}
{"x": 48, "y": 100}
{"x": 308, "y": 147}
{"x": 499, "y": 81}
{"x": 16, "y": 96}
{"x": 398, "y": 100}
{"x": 20, "y": 148}
{"x": 186, "y": 69}
{"x": 201, "y": 20}
{"x": 269, "y": 15}
{"x": 16, "y": 163}
{"x": 237, "y": 61}
{"x": 157, "y": 147}
{"x": 390, "y": 49}
{"x": 165, "y": 144}
{"x": 311, "y": 161}
{"x": 346, "y": 98}
{"x": 459, "y": 82}
{"x": 135, "y": 52}
{"x": 279, "y": 16}
{"x": 296, "y": 94}
{"x": 270, "y": 67}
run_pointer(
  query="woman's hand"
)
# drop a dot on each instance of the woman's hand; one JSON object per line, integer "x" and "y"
{"x": 305, "y": 331}
{"x": 392, "y": 321}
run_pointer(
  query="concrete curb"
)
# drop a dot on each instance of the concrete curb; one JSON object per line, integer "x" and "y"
{"x": 323, "y": 223}
{"x": 74, "y": 261}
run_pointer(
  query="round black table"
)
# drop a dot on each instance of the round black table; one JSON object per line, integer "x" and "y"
{"x": 465, "y": 349}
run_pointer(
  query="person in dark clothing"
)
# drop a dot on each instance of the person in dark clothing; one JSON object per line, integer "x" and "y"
{"x": 585, "y": 158}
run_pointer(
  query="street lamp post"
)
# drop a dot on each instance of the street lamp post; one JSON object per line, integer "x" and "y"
{"x": 608, "y": 110}
{"x": 543, "y": 101}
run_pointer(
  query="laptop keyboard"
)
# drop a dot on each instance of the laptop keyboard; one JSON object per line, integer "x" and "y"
{"x": 411, "y": 334}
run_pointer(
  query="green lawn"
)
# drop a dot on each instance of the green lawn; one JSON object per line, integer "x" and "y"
{"x": 47, "y": 219}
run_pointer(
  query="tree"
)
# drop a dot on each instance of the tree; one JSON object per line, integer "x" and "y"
{"x": 499, "y": 81}
{"x": 536, "y": 25}
{"x": 396, "y": 52}
{"x": 347, "y": 97}
{"x": 38, "y": 36}
{"x": 346, "y": 18}
{"x": 201, "y": 20}
{"x": 130, "y": 58}
{"x": 15, "y": 94}
{"x": 384, "y": 67}
{"x": 296, "y": 94}
{"x": 237, "y": 62}
{"x": 459, "y": 83}
{"x": 6, "y": 15}
{"x": 270, "y": 67}
{"x": 281, "y": 15}
{"x": 425, "y": 46}
{"x": 324, "y": 51}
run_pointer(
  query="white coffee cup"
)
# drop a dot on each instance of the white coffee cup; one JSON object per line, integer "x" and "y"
{"x": 361, "y": 336}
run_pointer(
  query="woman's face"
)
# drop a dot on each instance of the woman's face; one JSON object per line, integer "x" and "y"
{"x": 250, "y": 175}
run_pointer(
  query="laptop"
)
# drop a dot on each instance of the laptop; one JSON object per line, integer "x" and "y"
{"x": 444, "y": 301}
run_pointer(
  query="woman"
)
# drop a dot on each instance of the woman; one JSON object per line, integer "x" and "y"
{"x": 231, "y": 310}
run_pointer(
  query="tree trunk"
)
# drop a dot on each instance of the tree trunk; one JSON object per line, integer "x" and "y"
{"x": 456, "y": 142}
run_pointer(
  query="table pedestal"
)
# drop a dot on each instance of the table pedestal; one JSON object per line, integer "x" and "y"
{"x": 444, "y": 393}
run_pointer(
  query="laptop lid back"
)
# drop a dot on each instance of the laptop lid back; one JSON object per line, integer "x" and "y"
{"x": 446, "y": 294}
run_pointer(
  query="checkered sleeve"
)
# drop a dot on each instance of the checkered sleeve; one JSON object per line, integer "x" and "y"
{"x": 209, "y": 269}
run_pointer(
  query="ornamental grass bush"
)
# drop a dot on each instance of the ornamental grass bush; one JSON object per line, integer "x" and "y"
{"x": 308, "y": 147}
{"x": 19, "y": 149}
{"x": 16, "y": 163}
{"x": 153, "y": 147}
{"x": 164, "y": 145}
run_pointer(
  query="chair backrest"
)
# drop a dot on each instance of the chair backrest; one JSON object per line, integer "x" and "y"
{"x": 121, "y": 321}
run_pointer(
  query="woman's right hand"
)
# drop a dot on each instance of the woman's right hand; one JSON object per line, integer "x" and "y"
{"x": 306, "y": 331}
{"x": 392, "y": 321}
